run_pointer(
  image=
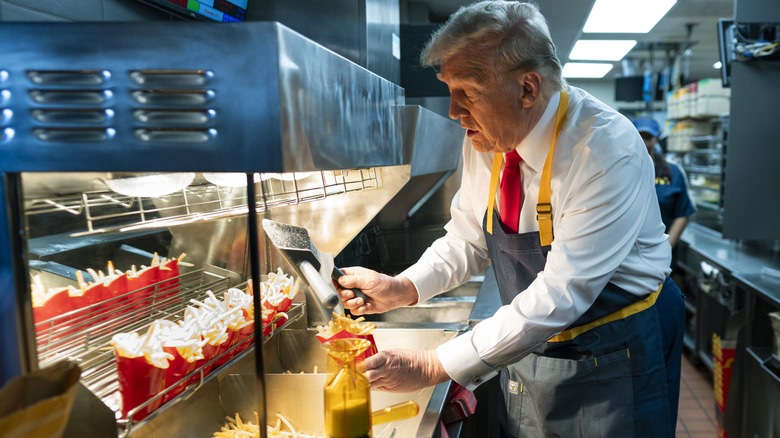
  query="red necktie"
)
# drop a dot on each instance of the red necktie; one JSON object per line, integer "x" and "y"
{"x": 511, "y": 192}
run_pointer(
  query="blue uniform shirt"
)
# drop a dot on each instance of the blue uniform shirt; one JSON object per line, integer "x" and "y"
{"x": 673, "y": 196}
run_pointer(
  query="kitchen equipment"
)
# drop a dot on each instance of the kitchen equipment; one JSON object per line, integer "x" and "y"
{"x": 775, "y": 318}
{"x": 87, "y": 106}
{"x": 312, "y": 265}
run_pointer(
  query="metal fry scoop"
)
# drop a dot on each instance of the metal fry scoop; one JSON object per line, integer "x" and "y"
{"x": 315, "y": 267}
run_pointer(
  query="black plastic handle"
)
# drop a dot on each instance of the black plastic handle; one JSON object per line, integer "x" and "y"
{"x": 358, "y": 293}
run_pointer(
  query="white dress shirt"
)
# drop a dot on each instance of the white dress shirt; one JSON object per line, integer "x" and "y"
{"x": 606, "y": 223}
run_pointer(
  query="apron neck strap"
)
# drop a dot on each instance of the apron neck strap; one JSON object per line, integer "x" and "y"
{"x": 543, "y": 206}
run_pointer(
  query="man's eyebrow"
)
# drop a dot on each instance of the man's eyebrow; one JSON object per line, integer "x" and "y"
{"x": 459, "y": 78}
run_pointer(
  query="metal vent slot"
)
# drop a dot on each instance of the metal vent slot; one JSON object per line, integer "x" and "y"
{"x": 5, "y": 115}
{"x": 77, "y": 116}
{"x": 69, "y": 77}
{"x": 6, "y": 134}
{"x": 173, "y": 97}
{"x": 176, "y": 135}
{"x": 91, "y": 135}
{"x": 174, "y": 117}
{"x": 171, "y": 78}
{"x": 5, "y": 96}
{"x": 71, "y": 97}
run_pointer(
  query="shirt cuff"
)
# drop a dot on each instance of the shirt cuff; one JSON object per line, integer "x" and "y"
{"x": 424, "y": 279}
{"x": 462, "y": 363}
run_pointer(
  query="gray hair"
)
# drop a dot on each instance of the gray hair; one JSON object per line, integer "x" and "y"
{"x": 516, "y": 31}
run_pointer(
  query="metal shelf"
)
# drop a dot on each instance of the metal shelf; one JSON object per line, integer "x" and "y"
{"x": 706, "y": 170}
{"x": 200, "y": 375}
{"x": 707, "y": 206}
{"x": 105, "y": 211}
{"x": 705, "y": 138}
{"x": 83, "y": 336}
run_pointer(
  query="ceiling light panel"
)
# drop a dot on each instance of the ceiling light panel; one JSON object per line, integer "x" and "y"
{"x": 626, "y": 16}
{"x": 601, "y": 50}
{"x": 585, "y": 70}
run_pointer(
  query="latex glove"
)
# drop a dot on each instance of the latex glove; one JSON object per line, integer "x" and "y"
{"x": 404, "y": 370}
{"x": 383, "y": 291}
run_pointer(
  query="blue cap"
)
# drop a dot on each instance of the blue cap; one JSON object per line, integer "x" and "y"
{"x": 648, "y": 124}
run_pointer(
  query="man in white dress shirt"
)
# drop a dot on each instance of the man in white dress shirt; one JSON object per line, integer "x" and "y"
{"x": 589, "y": 339}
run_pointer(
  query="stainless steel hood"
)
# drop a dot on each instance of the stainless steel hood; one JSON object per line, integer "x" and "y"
{"x": 109, "y": 98}
{"x": 243, "y": 97}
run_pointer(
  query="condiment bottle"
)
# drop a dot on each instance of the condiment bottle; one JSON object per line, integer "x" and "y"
{"x": 347, "y": 391}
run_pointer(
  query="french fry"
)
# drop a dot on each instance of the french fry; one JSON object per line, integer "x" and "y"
{"x": 236, "y": 428}
{"x": 340, "y": 323}
{"x": 342, "y": 326}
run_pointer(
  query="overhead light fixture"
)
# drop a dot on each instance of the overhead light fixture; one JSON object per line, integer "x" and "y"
{"x": 717, "y": 65}
{"x": 626, "y": 16}
{"x": 585, "y": 70}
{"x": 601, "y": 50}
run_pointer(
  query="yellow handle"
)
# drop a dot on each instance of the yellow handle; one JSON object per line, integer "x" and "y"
{"x": 401, "y": 411}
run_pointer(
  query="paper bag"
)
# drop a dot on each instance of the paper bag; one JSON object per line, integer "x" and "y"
{"x": 38, "y": 405}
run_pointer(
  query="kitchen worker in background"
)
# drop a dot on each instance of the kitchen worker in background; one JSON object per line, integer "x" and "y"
{"x": 670, "y": 184}
{"x": 557, "y": 192}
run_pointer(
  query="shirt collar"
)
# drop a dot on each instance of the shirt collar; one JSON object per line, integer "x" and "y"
{"x": 536, "y": 144}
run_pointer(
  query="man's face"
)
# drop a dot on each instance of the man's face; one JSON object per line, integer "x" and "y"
{"x": 490, "y": 109}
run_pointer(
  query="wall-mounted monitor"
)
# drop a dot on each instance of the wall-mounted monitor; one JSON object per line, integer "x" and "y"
{"x": 209, "y": 10}
{"x": 725, "y": 49}
{"x": 637, "y": 88}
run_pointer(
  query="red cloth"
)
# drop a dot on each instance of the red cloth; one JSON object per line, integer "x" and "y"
{"x": 511, "y": 192}
{"x": 460, "y": 404}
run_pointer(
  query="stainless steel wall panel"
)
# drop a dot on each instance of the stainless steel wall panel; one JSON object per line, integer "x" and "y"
{"x": 333, "y": 111}
{"x": 435, "y": 141}
{"x": 362, "y": 31}
{"x": 383, "y": 39}
{"x": 750, "y": 207}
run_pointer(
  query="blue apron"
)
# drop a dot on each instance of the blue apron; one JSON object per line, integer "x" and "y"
{"x": 615, "y": 372}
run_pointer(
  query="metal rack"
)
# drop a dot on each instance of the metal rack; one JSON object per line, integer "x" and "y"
{"x": 79, "y": 334}
{"x": 83, "y": 336}
{"x": 106, "y": 211}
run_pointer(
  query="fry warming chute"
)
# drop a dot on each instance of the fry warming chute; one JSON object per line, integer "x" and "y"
{"x": 125, "y": 142}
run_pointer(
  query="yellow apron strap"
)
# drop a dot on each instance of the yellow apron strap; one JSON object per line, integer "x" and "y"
{"x": 568, "y": 335}
{"x": 498, "y": 159}
{"x": 543, "y": 205}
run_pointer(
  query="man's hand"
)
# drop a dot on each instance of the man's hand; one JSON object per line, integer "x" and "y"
{"x": 383, "y": 292}
{"x": 404, "y": 370}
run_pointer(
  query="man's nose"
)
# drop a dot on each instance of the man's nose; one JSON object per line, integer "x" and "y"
{"x": 456, "y": 109}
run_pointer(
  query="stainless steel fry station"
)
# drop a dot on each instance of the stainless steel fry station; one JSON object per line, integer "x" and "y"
{"x": 181, "y": 183}
{"x": 124, "y": 143}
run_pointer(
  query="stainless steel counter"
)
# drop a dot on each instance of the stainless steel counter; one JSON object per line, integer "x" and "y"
{"x": 739, "y": 258}
{"x": 488, "y": 300}
{"x": 748, "y": 263}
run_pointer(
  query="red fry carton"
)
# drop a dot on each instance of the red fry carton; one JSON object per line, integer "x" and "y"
{"x": 138, "y": 382}
{"x": 178, "y": 367}
{"x": 140, "y": 286}
{"x": 168, "y": 289}
{"x": 370, "y": 351}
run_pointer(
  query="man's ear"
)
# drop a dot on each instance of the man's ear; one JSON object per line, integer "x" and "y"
{"x": 530, "y": 88}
